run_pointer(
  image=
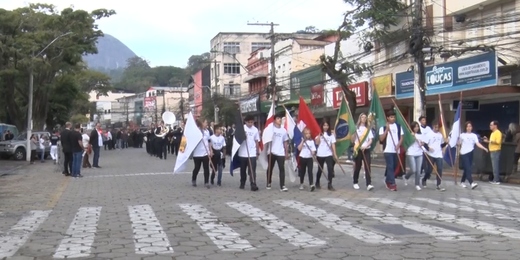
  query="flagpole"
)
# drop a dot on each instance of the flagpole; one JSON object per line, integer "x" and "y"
{"x": 270, "y": 157}
{"x": 411, "y": 131}
{"x": 457, "y": 154}
{"x": 314, "y": 158}
{"x": 358, "y": 138}
{"x": 207, "y": 151}
{"x": 253, "y": 180}
{"x": 335, "y": 155}
{"x": 444, "y": 129}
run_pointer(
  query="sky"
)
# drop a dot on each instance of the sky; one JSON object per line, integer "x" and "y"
{"x": 167, "y": 33}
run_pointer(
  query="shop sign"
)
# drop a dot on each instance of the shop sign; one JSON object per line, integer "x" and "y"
{"x": 249, "y": 105}
{"x": 360, "y": 89}
{"x": 317, "y": 95}
{"x": 149, "y": 103}
{"x": 383, "y": 85}
{"x": 471, "y": 73}
{"x": 467, "y": 105}
{"x": 404, "y": 82}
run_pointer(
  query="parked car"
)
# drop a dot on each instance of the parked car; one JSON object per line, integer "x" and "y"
{"x": 5, "y": 127}
{"x": 16, "y": 147}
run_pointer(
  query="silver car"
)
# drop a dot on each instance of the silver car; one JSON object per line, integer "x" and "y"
{"x": 16, "y": 147}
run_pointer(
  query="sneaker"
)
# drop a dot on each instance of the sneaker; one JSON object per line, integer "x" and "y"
{"x": 329, "y": 187}
{"x": 370, "y": 187}
{"x": 268, "y": 186}
{"x": 194, "y": 183}
{"x": 313, "y": 187}
{"x": 301, "y": 187}
{"x": 318, "y": 186}
{"x": 207, "y": 185}
{"x": 462, "y": 185}
{"x": 254, "y": 187}
{"x": 242, "y": 186}
{"x": 405, "y": 181}
{"x": 284, "y": 189}
{"x": 356, "y": 186}
{"x": 495, "y": 182}
{"x": 418, "y": 187}
{"x": 423, "y": 182}
{"x": 212, "y": 182}
{"x": 219, "y": 184}
{"x": 474, "y": 185}
{"x": 440, "y": 188}
{"x": 393, "y": 187}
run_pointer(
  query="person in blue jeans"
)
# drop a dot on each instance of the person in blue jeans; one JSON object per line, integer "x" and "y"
{"x": 77, "y": 151}
{"x": 467, "y": 141}
{"x": 435, "y": 157}
{"x": 390, "y": 136}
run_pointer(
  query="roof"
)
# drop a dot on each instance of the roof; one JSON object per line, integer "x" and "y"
{"x": 168, "y": 89}
{"x": 311, "y": 42}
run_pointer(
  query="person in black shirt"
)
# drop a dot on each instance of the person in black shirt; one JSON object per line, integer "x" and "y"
{"x": 76, "y": 141}
{"x": 65, "y": 137}
{"x": 54, "y": 146}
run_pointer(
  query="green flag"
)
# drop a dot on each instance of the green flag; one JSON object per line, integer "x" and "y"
{"x": 409, "y": 139}
{"x": 376, "y": 117}
{"x": 344, "y": 128}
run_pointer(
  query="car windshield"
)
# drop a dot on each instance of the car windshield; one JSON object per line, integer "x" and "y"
{"x": 21, "y": 137}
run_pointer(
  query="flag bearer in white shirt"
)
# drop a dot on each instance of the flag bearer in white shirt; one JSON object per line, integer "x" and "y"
{"x": 390, "y": 136}
{"x": 435, "y": 144}
{"x": 307, "y": 150}
{"x": 326, "y": 154}
{"x": 279, "y": 151}
{"x": 415, "y": 154}
{"x": 201, "y": 155}
{"x": 363, "y": 154}
{"x": 218, "y": 147}
{"x": 249, "y": 151}
{"x": 467, "y": 141}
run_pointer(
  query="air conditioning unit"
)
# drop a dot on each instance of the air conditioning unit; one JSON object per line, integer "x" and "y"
{"x": 505, "y": 80}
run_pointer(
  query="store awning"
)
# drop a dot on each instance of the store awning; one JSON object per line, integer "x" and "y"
{"x": 255, "y": 76}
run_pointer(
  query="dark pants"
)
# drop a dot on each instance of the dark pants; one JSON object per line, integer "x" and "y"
{"x": 280, "y": 160}
{"x": 306, "y": 167}
{"x": 362, "y": 158}
{"x": 177, "y": 146}
{"x": 391, "y": 161}
{"x": 67, "y": 164}
{"x": 95, "y": 160}
{"x": 329, "y": 160}
{"x": 246, "y": 170}
{"x": 198, "y": 161}
{"x": 160, "y": 148}
{"x": 437, "y": 162}
{"x": 467, "y": 162}
{"x": 86, "y": 163}
{"x": 218, "y": 164}
{"x": 33, "y": 155}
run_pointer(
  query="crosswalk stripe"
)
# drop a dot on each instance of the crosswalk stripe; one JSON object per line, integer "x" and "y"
{"x": 277, "y": 226}
{"x": 467, "y": 209}
{"x": 437, "y": 232}
{"x": 149, "y": 237}
{"x": 222, "y": 235}
{"x": 509, "y": 201}
{"x": 81, "y": 234}
{"x": 479, "y": 225}
{"x": 21, "y": 231}
{"x": 333, "y": 221}
{"x": 486, "y": 204}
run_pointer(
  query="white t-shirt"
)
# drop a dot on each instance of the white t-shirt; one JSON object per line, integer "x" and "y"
{"x": 324, "y": 148}
{"x": 360, "y": 132}
{"x": 416, "y": 149}
{"x": 391, "y": 138}
{"x": 280, "y": 136}
{"x": 85, "y": 139}
{"x": 42, "y": 143}
{"x": 252, "y": 138}
{"x": 435, "y": 140}
{"x": 305, "y": 152}
{"x": 202, "y": 148}
{"x": 467, "y": 142}
{"x": 217, "y": 142}
{"x": 425, "y": 130}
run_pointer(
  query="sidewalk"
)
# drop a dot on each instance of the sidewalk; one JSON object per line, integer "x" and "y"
{"x": 378, "y": 161}
{"x": 11, "y": 166}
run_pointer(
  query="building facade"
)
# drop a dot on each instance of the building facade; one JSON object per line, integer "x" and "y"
{"x": 200, "y": 91}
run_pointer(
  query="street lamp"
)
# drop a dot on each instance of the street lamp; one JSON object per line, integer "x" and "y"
{"x": 31, "y": 93}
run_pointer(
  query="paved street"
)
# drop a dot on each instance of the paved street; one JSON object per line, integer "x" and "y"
{"x": 134, "y": 208}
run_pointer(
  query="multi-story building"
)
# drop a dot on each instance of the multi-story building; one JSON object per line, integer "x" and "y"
{"x": 160, "y": 99}
{"x": 200, "y": 91}
{"x": 103, "y": 105}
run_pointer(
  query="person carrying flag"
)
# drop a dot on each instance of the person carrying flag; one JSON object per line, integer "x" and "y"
{"x": 218, "y": 147}
{"x": 248, "y": 152}
{"x": 326, "y": 153}
{"x": 279, "y": 151}
{"x": 362, "y": 142}
{"x": 307, "y": 149}
{"x": 436, "y": 142}
{"x": 390, "y": 136}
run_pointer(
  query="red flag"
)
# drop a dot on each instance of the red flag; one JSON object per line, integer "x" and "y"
{"x": 306, "y": 119}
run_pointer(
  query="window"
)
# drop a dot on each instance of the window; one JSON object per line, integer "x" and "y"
{"x": 509, "y": 21}
{"x": 232, "y": 90}
{"x": 232, "y": 47}
{"x": 471, "y": 34}
{"x": 489, "y": 30}
{"x": 257, "y": 45}
{"x": 231, "y": 68}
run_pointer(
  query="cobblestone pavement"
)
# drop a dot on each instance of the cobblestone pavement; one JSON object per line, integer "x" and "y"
{"x": 134, "y": 208}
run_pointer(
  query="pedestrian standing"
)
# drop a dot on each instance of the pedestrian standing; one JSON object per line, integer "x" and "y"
{"x": 34, "y": 146}
{"x": 415, "y": 154}
{"x": 218, "y": 148}
{"x": 362, "y": 143}
{"x": 248, "y": 153}
{"x": 435, "y": 144}
{"x": 279, "y": 151}
{"x": 307, "y": 150}
{"x": 326, "y": 154}
{"x": 96, "y": 142}
{"x": 86, "y": 149}
{"x": 201, "y": 155}
{"x": 66, "y": 146}
{"x": 54, "y": 146}
{"x": 495, "y": 146}
{"x": 467, "y": 141}
{"x": 77, "y": 151}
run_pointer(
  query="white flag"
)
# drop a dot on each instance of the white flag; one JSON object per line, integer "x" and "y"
{"x": 191, "y": 138}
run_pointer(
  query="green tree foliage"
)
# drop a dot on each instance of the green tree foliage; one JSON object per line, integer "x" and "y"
{"x": 377, "y": 15}
{"x": 226, "y": 113}
{"x": 25, "y": 32}
{"x": 198, "y": 62}
{"x": 309, "y": 29}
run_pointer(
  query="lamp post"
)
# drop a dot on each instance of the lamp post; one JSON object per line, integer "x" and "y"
{"x": 31, "y": 93}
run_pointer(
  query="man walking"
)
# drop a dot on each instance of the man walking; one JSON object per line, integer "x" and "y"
{"x": 495, "y": 146}
{"x": 66, "y": 146}
{"x": 54, "y": 146}
{"x": 390, "y": 136}
{"x": 96, "y": 142}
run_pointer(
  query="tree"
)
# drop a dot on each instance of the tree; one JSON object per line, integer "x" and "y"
{"x": 227, "y": 109}
{"x": 91, "y": 80}
{"x": 379, "y": 16}
{"x": 27, "y": 31}
{"x": 309, "y": 29}
{"x": 198, "y": 62}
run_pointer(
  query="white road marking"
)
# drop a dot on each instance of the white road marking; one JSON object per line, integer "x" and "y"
{"x": 468, "y": 209}
{"x": 486, "y": 204}
{"x": 479, "y": 225}
{"x": 387, "y": 218}
{"x": 221, "y": 234}
{"x": 134, "y": 174}
{"x": 277, "y": 226}
{"x": 149, "y": 236}
{"x": 508, "y": 201}
{"x": 81, "y": 234}
{"x": 21, "y": 231}
{"x": 333, "y": 221}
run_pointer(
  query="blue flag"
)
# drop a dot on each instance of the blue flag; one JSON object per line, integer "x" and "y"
{"x": 451, "y": 151}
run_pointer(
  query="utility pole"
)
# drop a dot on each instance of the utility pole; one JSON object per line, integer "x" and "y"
{"x": 215, "y": 107}
{"x": 272, "y": 36}
{"x": 416, "y": 46}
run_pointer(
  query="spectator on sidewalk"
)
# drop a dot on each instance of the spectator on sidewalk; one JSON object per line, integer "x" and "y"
{"x": 495, "y": 146}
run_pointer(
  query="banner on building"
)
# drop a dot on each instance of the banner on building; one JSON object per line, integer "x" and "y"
{"x": 317, "y": 95}
{"x": 383, "y": 85}
{"x": 360, "y": 89}
{"x": 149, "y": 103}
{"x": 404, "y": 82}
{"x": 249, "y": 105}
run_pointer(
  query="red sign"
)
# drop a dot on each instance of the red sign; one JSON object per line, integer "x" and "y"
{"x": 360, "y": 89}
{"x": 317, "y": 95}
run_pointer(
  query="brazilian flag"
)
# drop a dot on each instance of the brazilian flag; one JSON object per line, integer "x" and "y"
{"x": 345, "y": 128}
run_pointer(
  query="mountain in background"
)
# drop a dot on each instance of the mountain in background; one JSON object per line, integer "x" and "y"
{"x": 112, "y": 54}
